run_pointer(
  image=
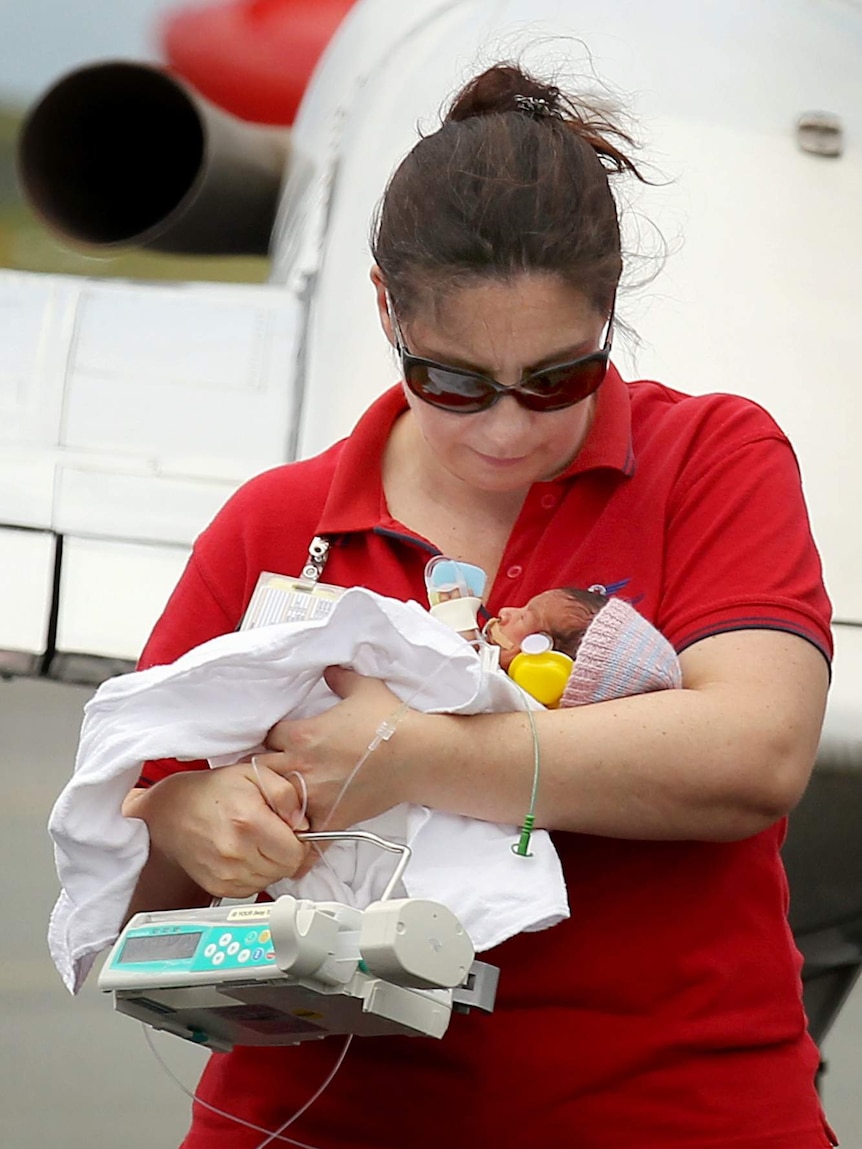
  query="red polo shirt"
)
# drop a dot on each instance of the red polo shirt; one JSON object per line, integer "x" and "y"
{"x": 665, "y": 1014}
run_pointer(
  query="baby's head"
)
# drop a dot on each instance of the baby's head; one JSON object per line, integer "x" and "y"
{"x": 616, "y": 652}
{"x": 563, "y": 614}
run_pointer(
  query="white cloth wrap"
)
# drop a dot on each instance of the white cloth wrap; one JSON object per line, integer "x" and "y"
{"x": 219, "y": 700}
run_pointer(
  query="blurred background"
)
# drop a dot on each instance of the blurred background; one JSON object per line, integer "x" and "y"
{"x": 73, "y": 1073}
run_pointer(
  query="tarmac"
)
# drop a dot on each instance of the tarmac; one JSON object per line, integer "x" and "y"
{"x": 77, "y": 1076}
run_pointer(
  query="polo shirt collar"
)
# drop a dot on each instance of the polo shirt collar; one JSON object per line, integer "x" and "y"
{"x": 608, "y": 445}
{"x": 356, "y": 501}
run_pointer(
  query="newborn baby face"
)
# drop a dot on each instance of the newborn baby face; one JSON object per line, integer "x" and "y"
{"x": 543, "y": 614}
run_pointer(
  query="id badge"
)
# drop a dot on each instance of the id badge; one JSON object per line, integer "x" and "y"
{"x": 278, "y": 598}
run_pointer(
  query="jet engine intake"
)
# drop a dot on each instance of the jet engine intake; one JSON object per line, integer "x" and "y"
{"x": 125, "y": 154}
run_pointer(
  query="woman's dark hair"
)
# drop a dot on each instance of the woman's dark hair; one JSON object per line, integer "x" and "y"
{"x": 515, "y": 180}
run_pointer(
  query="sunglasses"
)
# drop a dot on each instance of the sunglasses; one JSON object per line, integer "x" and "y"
{"x": 466, "y": 392}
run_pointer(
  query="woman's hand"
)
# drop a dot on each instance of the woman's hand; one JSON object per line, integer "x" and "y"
{"x": 326, "y": 749}
{"x": 218, "y": 827}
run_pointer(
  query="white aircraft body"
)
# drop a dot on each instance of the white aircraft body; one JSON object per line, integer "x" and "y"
{"x": 129, "y": 411}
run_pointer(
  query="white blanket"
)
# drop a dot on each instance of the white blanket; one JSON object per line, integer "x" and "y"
{"x": 219, "y": 701}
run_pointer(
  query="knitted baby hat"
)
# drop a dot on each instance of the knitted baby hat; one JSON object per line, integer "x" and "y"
{"x": 620, "y": 654}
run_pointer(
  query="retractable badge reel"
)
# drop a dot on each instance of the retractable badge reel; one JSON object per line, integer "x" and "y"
{"x": 282, "y": 598}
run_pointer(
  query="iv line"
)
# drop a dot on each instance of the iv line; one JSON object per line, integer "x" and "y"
{"x": 383, "y": 733}
{"x": 522, "y": 846}
{"x": 276, "y": 1135}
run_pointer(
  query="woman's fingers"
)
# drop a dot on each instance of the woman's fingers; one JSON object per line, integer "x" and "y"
{"x": 284, "y": 793}
{"x": 247, "y": 852}
{"x": 279, "y": 851}
{"x": 344, "y": 682}
{"x": 218, "y": 826}
{"x": 263, "y": 837}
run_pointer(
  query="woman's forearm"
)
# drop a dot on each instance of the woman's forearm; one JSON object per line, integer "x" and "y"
{"x": 719, "y": 761}
{"x": 163, "y": 885}
{"x": 628, "y": 769}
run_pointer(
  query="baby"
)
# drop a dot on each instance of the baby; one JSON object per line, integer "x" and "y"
{"x": 605, "y": 647}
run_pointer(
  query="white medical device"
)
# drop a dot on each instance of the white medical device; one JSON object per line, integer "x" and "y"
{"x": 282, "y": 972}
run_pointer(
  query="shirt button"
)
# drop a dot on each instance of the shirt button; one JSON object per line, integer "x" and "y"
{"x": 549, "y": 501}
{"x": 514, "y": 572}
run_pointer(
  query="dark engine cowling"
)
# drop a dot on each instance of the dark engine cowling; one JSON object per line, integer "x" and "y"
{"x": 120, "y": 153}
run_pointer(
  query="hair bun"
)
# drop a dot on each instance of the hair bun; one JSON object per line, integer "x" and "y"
{"x": 506, "y": 88}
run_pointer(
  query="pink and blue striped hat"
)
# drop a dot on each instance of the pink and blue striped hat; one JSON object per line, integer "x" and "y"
{"x": 620, "y": 654}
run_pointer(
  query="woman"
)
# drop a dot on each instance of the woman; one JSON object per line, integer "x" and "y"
{"x": 667, "y": 1011}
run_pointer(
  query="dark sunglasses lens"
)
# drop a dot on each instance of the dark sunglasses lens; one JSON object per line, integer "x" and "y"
{"x": 565, "y": 386}
{"x": 452, "y": 390}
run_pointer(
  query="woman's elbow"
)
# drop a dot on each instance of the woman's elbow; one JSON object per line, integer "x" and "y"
{"x": 772, "y": 786}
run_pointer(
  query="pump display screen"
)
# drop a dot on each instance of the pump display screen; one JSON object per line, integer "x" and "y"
{"x": 159, "y": 947}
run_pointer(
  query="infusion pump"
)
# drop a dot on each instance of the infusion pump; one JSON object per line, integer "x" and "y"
{"x": 283, "y": 972}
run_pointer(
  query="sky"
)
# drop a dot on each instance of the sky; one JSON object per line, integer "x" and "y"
{"x": 42, "y": 39}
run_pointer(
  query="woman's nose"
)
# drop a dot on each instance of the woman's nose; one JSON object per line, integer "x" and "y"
{"x": 507, "y": 418}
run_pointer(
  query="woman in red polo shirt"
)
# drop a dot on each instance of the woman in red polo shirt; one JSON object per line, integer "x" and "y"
{"x": 666, "y": 1012}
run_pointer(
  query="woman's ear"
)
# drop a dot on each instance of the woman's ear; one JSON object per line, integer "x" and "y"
{"x": 382, "y": 295}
